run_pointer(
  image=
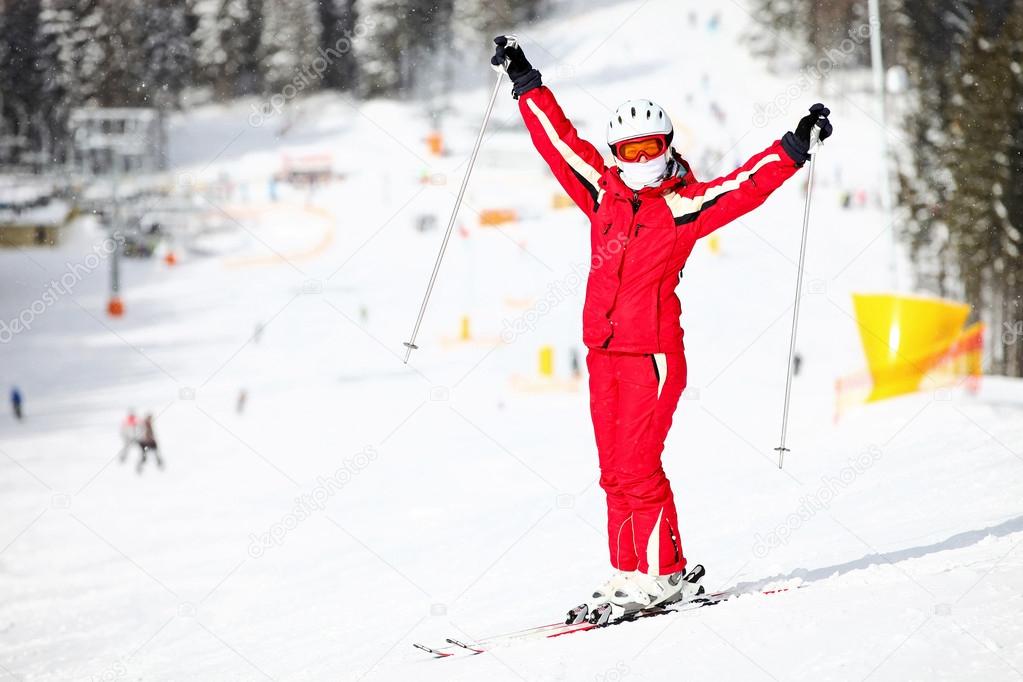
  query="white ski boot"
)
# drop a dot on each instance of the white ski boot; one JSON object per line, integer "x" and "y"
{"x": 602, "y": 595}
{"x": 641, "y": 592}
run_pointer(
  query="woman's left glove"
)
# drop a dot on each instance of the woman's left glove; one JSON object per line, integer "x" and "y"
{"x": 797, "y": 144}
{"x": 508, "y": 56}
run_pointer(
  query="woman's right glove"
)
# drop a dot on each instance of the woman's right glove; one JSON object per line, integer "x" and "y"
{"x": 508, "y": 56}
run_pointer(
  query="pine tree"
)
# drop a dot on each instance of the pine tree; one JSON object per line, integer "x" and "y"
{"x": 82, "y": 41}
{"x": 8, "y": 119}
{"x": 167, "y": 57}
{"x": 926, "y": 181}
{"x": 380, "y": 50}
{"x": 28, "y": 95}
{"x": 967, "y": 160}
{"x": 54, "y": 63}
{"x": 290, "y": 40}
{"x": 240, "y": 30}
{"x": 429, "y": 25}
{"x": 778, "y": 25}
{"x": 122, "y": 67}
{"x": 1012, "y": 198}
{"x": 338, "y": 28}
{"x": 208, "y": 53}
{"x": 413, "y": 43}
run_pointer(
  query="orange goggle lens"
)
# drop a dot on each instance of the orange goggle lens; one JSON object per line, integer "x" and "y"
{"x": 631, "y": 151}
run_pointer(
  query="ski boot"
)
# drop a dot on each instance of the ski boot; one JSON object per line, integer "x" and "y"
{"x": 642, "y": 592}
{"x": 600, "y": 596}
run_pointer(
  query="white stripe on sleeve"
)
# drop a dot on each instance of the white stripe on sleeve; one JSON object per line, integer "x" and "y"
{"x": 682, "y": 207}
{"x": 591, "y": 174}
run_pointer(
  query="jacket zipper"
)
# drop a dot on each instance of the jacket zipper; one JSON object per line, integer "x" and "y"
{"x": 657, "y": 320}
{"x": 635, "y": 202}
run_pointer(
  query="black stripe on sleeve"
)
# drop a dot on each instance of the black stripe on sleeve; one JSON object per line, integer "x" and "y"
{"x": 690, "y": 217}
{"x": 590, "y": 189}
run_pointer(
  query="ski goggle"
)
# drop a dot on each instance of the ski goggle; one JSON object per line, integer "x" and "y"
{"x": 651, "y": 147}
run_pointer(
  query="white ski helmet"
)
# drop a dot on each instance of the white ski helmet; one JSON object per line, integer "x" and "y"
{"x": 638, "y": 118}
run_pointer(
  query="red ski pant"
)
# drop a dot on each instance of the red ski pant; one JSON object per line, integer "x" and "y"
{"x": 632, "y": 400}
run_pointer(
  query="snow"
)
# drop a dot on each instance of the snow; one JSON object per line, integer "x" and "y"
{"x": 358, "y": 505}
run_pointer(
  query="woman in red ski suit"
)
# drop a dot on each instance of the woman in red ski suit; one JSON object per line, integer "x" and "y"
{"x": 640, "y": 240}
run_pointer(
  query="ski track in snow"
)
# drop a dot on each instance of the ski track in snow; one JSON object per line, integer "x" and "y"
{"x": 905, "y": 518}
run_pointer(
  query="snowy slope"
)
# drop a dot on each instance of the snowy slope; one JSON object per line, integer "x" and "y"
{"x": 358, "y": 505}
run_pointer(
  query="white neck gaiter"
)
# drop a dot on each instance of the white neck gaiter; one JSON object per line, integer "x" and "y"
{"x": 645, "y": 173}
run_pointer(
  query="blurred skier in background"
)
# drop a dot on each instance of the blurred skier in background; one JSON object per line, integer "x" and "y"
{"x": 243, "y": 398}
{"x": 16, "y": 402}
{"x": 646, "y": 211}
{"x": 129, "y": 434}
{"x": 147, "y": 442}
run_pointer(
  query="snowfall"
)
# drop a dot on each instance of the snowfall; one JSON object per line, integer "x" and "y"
{"x": 357, "y": 505}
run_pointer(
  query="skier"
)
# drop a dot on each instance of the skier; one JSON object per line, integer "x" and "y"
{"x": 129, "y": 434}
{"x": 16, "y": 402}
{"x": 243, "y": 397}
{"x": 646, "y": 212}
{"x": 147, "y": 442}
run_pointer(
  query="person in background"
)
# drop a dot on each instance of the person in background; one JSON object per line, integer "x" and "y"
{"x": 243, "y": 397}
{"x": 16, "y": 402}
{"x": 147, "y": 441}
{"x": 575, "y": 364}
{"x": 129, "y": 434}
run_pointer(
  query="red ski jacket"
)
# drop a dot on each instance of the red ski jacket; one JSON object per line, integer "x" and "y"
{"x": 640, "y": 241}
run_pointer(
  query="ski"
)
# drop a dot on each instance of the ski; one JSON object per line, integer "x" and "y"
{"x": 435, "y": 652}
{"x": 462, "y": 645}
{"x": 454, "y": 647}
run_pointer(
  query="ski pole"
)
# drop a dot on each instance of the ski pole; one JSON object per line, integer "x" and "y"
{"x": 814, "y": 135}
{"x": 410, "y": 345}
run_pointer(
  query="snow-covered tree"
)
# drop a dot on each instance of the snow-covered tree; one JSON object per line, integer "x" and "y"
{"x": 240, "y": 31}
{"x": 120, "y": 36}
{"x": 167, "y": 50}
{"x": 24, "y": 86}
{"x": 291, "y": 36}
{"x": 207, "y": 51}
{"x": 54, "y": 62}
{"x": 338, "y": 27}
{"x": 81, "y": 42}
{"x": 380, "y": 50}
{"x": 964, "y": 214}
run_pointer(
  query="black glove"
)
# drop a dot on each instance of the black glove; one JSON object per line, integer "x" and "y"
{"x": 509, "y": 56}
{"x": 797, "y": 144}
